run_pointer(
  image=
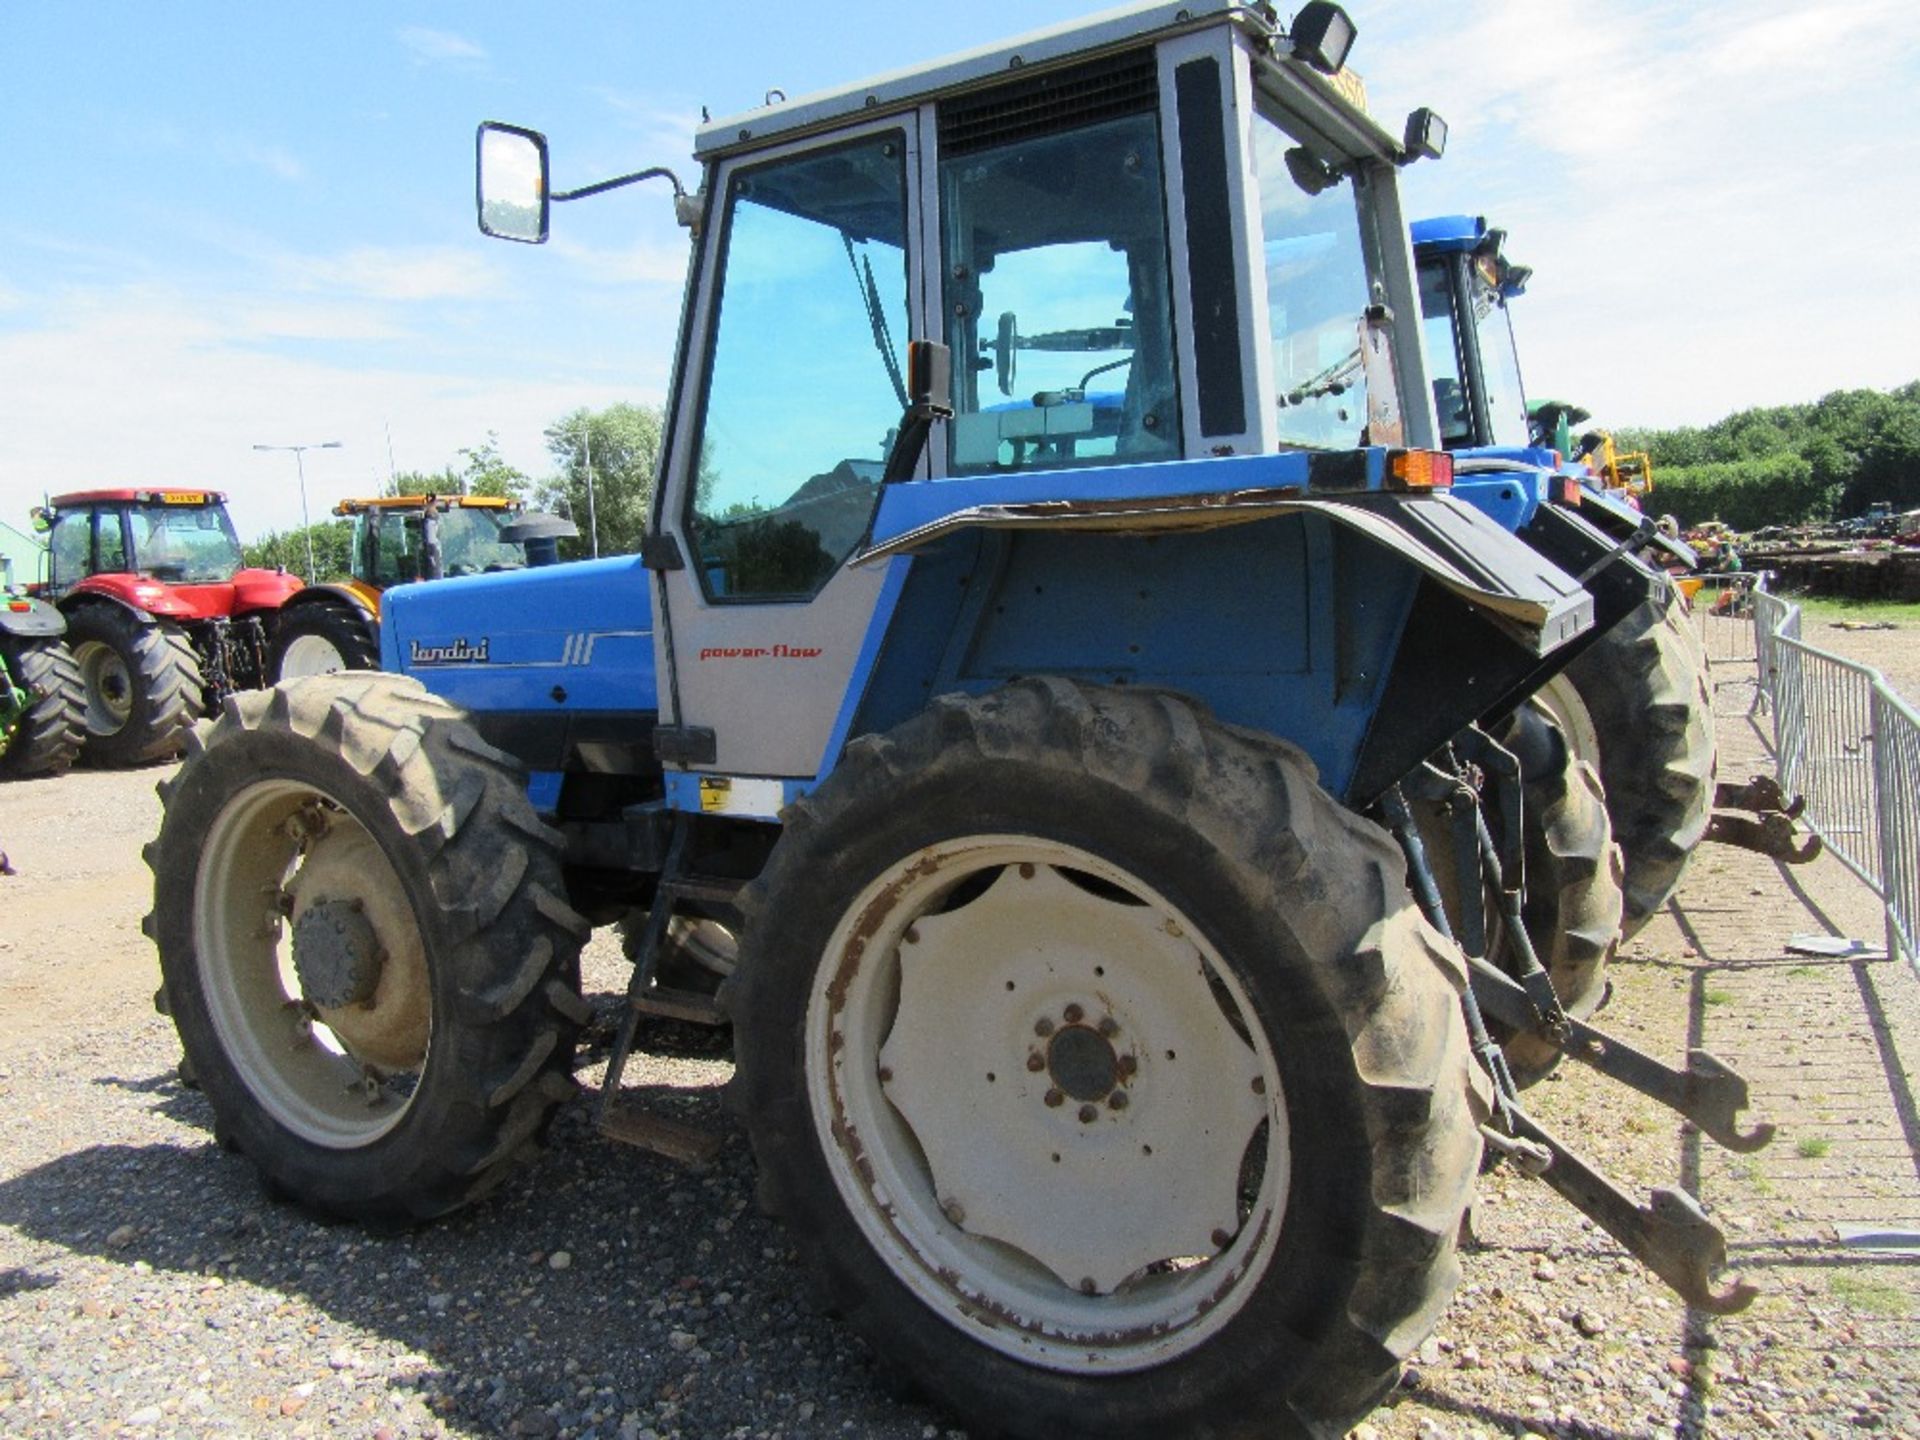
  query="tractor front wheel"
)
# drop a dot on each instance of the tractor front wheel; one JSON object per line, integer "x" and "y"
{"x": 321, "y": 639}
{"x": 364, "y": 946}
{"x": 1101, "y": 1063}
{"x": 50, "y": 731}
{"x": 142, "y": 681}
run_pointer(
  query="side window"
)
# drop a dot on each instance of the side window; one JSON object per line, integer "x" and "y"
{"x": 804, "y": 387}
{"x": 1058, "y": 298}
{"x": 110, "y": 543}
{"x": 71, "y": 545}
{"x": 1443, "y": 355}
{"x": 396, "y": 548}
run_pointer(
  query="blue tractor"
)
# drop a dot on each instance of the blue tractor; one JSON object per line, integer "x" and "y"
{"x": 1636, "y": 705}
{"x": 1072, "y": 785}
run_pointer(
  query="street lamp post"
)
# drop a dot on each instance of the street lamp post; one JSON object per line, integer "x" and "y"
{"x": 300, "y": 467}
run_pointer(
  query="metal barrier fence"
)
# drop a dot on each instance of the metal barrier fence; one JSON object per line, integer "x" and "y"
{"x": 1723, "y": 617}
{"x": 1845, "y": 739}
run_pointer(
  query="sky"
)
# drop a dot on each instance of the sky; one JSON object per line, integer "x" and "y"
{"x": 235, "y": 225}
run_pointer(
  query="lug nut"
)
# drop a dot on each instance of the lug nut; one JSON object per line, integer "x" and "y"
{"x": 1128, "y": 1064}
{"x": 1221, "y": 1239}
{"x": 1088, "y": 1114}
{"x": 1109, "y": 1026}
{"x": 1259, "y": 1084}
{"x": 1055, "y": 1099}
{"x": 1087, "y": 1287}
{"x": 1117, "y": 1100}
{"x": 1026, "y": 871}
{"x": 1073, "y": 1014}
{"x": 1043, "y": 1027}
{"x": 956, "y": 1212}
{"x": 1036, "y": 1062}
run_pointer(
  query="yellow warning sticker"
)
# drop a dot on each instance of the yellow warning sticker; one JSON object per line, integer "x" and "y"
{"x": 715, "y": 792}
{"x": 183, "y": 497}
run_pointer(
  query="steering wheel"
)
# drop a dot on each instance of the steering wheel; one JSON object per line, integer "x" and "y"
{"x": 1005, "y": 349}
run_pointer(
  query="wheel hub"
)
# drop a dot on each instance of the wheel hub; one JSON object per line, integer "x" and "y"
{"x": 336, "y": 954}
{"x": 1083, "y": 1064}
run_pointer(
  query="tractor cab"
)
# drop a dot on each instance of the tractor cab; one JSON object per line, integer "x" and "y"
{"x": 403, "y": 538}
{"x": 177, "y": 537}
{"x": 1465, "y": 284}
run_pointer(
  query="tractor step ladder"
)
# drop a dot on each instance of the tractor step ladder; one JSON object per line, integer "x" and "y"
{"x": 629, "y": 1122}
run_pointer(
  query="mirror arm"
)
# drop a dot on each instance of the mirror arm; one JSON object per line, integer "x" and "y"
{"x": 657, "y": 172}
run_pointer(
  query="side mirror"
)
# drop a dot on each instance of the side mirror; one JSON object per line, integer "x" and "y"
{"x": 510, "y": 183}
{"x": 42, "y": 521}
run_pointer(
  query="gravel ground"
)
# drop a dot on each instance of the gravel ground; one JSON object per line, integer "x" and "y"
{"x": 148, "y": 1287}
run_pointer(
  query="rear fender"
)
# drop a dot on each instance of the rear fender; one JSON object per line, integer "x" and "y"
{"x": 148, "y": 600}
{"x": 1284, "y": 613}
{"x": 28, "y": 619}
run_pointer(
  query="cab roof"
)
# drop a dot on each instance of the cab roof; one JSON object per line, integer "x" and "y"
{"x": 1127, "y": 27}
{"x": 76, "y": 498}
{"x": 1449, "y": 234}
{"x": 419, "y": 502}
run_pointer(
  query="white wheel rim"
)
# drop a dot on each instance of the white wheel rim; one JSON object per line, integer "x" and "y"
{"x": 1570, "y": 713}
{"x": 311, "y": 655}
{"x": 954, "y": 1067}
{"x": 109, "y": 687}
{"x": 340, "y": 1077}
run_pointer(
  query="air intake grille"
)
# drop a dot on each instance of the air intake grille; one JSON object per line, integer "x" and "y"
{"x": 1049, "y": 102}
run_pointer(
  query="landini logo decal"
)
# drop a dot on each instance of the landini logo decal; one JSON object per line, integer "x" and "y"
{"x": 457, "y": 653}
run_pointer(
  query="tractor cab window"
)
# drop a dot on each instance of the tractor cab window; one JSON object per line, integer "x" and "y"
{"x": 395, "y": 546}
{"x": 70, "y": 547}
{"x": 1317, "y": 297}
{"x": 470, "y": 542}
{"x": 1058, "y": 294}
{"x": 804, "y": 389}
{"x": 188, "y": 544}
{"x": 1499, "y": 361}
{"x": 1450, "y": 399}
{"x": 109, "y": 543}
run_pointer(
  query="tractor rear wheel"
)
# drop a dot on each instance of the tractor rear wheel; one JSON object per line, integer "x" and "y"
{"x": 364, "y": 946}
{"x": 1572, "y": 904}
{"x": 49, "y": 735}
{"x": 1101, "y": 1063}
{"x": 1644, "y": 686}
{"x": 1573, "y": 900}
{"x": 142, "y": 681}
{"x": 321, "y": 639}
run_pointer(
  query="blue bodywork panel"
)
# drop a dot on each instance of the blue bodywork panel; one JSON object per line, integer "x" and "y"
{"x": 509, "y": 642}
{"x": 1286, "y": 625}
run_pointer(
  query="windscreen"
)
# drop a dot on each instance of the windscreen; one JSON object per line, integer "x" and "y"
{"x": 1317, "y": 296}
{"x": 1499, "y": 362}
{"x": 470, "y": 542}
{"x": 188, "y": 544}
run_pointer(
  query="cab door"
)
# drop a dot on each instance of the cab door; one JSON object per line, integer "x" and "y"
{"x": 795, "y": 386}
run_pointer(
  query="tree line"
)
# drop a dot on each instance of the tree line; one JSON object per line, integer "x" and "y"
{"x": 1789, "y": 464}
{"x": 622, "y": 442}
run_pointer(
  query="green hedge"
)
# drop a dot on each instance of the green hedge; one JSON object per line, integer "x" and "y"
{"x": 1781, "y": 489}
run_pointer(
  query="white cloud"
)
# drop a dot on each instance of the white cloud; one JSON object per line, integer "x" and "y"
{"x": 407, "y": 273}
{"x": 276, "y": 161}
{"x": 440, "y": 46}
{"x": 149, "y": 385}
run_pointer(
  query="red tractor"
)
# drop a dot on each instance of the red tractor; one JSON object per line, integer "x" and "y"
{"x": 163, "y": 617}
